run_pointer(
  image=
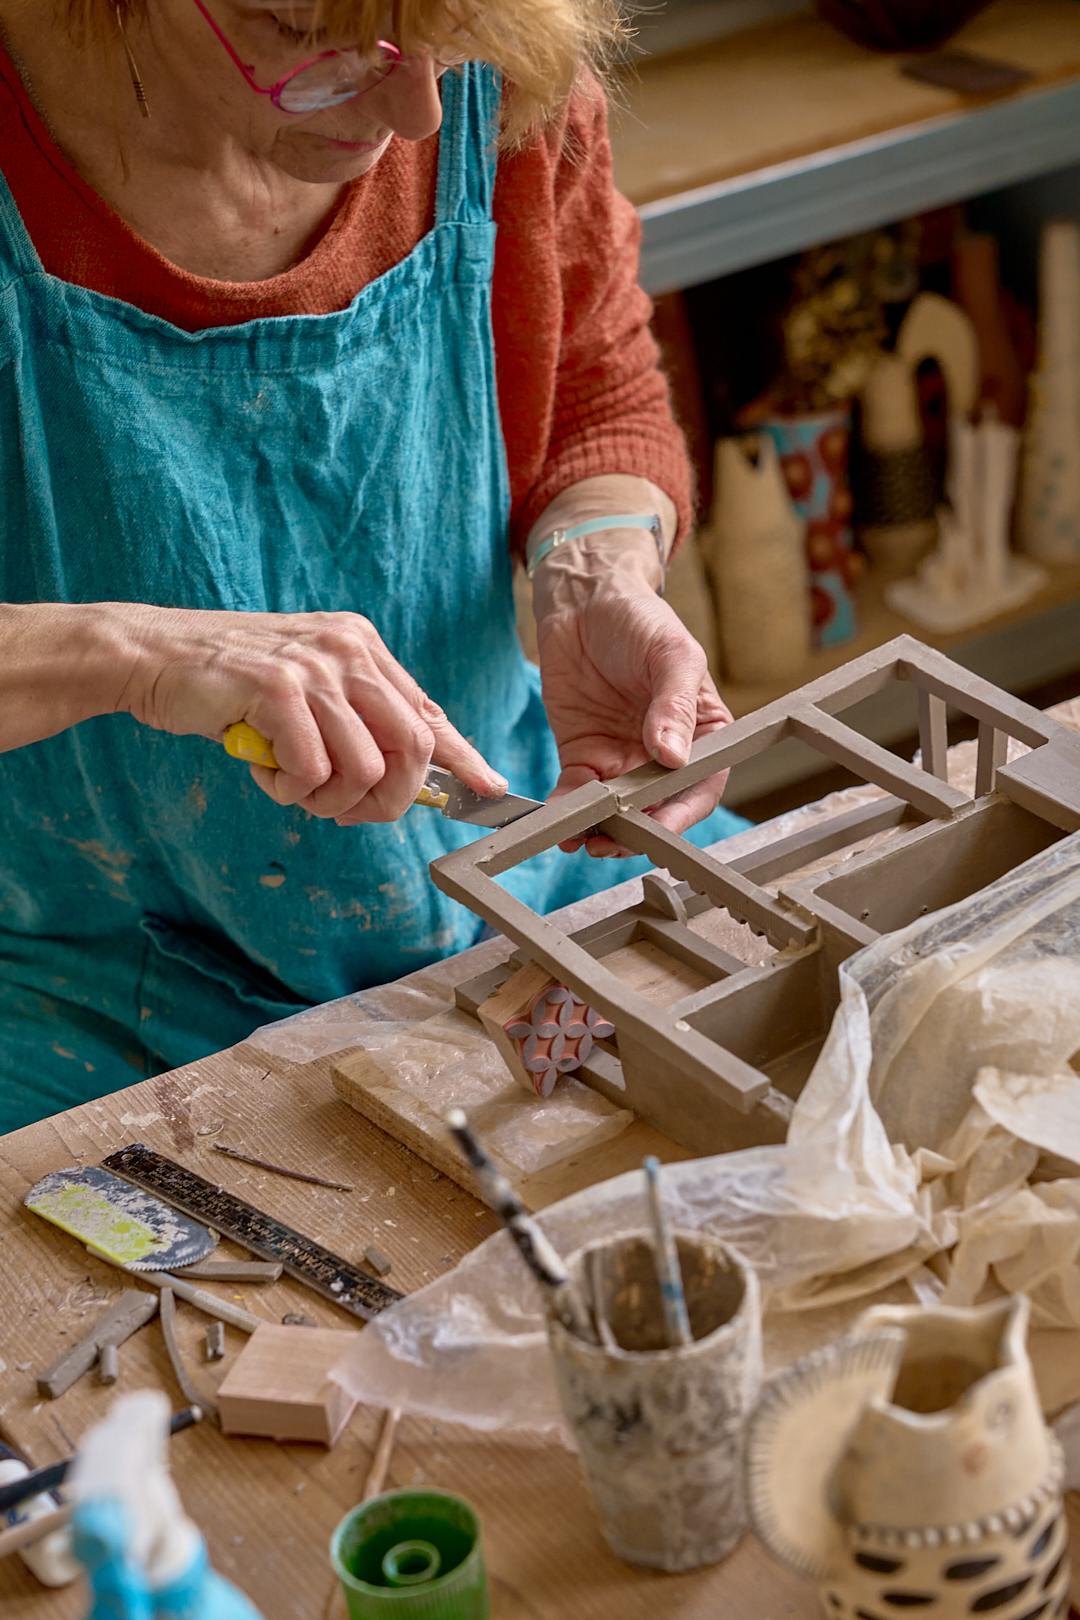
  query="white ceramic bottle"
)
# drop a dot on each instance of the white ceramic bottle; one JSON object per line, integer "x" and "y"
{"x": 755, "y": 552}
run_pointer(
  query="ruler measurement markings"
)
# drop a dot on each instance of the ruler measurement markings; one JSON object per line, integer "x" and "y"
{"x": 338, "y": 1280}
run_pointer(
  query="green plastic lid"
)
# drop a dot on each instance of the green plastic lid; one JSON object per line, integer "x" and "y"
{"x": 412, "y": 1555}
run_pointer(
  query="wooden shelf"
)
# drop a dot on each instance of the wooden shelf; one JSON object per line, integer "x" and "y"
{"x": 1030, "y": 646}
{"x": 781, "y": 136}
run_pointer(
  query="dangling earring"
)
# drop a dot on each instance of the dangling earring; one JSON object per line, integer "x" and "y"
{"x": 133, "y": 69}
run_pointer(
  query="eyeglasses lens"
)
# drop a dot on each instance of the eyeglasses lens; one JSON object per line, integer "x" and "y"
{"x": 333, "y": 80}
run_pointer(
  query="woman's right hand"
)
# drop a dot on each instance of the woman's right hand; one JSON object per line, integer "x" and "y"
{"x": 352, "y": 731}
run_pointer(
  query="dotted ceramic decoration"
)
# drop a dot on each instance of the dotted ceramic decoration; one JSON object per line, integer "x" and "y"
{"x": 909, "y": 1469}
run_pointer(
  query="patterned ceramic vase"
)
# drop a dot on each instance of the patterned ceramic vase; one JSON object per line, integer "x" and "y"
{"x": 909, "y": 1468}
{"x": 813, "y": 451}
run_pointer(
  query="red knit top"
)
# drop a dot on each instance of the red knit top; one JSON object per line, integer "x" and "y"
{"x": 580, "y": 391}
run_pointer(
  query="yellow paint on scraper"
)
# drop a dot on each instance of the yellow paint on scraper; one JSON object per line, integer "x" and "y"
{"x": 89, "y": 1216}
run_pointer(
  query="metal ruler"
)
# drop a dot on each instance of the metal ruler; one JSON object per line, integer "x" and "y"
{"x": 338, "y": 1280}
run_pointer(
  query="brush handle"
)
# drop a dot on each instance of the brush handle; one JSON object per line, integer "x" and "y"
{"x": 41, "y": 1480}
{"x": 538, "y": 1253}
{"x": 672, "y": 1297}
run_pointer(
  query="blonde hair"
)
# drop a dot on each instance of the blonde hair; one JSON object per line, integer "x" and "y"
{"x": 539, "y": 45}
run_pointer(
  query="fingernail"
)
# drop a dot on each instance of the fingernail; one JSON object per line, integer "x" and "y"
{"x": 499, "y": 786}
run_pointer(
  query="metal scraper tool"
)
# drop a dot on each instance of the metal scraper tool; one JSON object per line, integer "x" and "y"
{"x": 441, "y": 790}
{"x": 129, "y": 1226}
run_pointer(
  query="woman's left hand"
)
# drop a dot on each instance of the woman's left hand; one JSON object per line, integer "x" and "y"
{"x": 624, "y": 681}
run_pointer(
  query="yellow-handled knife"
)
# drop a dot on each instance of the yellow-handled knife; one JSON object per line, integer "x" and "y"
{"x": 441, "y": 790}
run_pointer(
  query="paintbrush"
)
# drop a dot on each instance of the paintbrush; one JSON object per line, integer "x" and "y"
{"x": 48, "y": 1478}
{"x": 668, "y": 1273}
{"x": 543, "y": 1261}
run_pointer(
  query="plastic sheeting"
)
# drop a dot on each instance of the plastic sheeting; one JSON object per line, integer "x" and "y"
{"x": 937, "y": 1140}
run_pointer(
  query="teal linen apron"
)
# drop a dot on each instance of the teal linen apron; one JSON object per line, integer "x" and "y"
{"x": 155, "y": 906}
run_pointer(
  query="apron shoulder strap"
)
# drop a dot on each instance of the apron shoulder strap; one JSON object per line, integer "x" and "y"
{"x": 18, "y": 255}
{"x": 472, "y": 97}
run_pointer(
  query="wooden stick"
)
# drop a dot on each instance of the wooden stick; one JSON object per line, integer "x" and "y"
{"x": 27, "y": 1531}
{"x": 279, "y": 1170}
{"x": 380, "y": 1463}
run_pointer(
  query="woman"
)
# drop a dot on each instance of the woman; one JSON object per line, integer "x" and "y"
{"x": 274, "y": 409}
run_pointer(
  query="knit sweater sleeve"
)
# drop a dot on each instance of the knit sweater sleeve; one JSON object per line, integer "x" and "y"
{"x": 581, "y": 392}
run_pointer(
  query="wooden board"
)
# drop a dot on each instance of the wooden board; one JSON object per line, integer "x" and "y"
{"x": 367, "y": 1086}
{"x": 790, "y": 88}
{"x": 363, "y": 1085}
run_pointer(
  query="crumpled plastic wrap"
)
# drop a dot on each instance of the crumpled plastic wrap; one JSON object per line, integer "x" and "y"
{"x": 953, "y": 1038}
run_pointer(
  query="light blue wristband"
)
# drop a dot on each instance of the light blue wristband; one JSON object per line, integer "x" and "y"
{"x": 559, "y": 537}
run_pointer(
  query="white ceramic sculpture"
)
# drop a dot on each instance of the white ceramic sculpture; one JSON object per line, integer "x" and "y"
{"x": 755, "y": 551}
{"x": 909, "y": 1467}
{"x": 1049, "y": 517}
{"x": 972, "y": 574}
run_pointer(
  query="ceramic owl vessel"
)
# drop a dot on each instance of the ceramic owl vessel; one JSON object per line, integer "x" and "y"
{"x": 908, "y": 1468}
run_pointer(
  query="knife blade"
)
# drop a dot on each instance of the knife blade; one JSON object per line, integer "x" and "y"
{"x": 441, "y": 790}
{"x": 457, "y": 802}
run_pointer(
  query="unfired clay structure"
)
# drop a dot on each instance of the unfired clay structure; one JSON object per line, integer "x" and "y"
{"x": 719, "y": 1068}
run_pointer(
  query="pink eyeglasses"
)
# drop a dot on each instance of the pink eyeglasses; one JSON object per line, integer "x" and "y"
{"x": 322, "y": 81}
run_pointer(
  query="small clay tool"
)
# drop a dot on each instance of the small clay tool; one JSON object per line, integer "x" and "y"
{"x": 134, "y": 1307}
{"x": 118, "y": 1220}
{"x": 538, "y": 1254}
{"x": 180, "y": 1372}
{"x": 215, "y": 1341}
{"x": 338, "y": 1280}
{"x": 279, "y": 1170}
{"x": 248, "y": 1271}
{"x": 667, "y": 1261}
{"x": 48, "y": 1478}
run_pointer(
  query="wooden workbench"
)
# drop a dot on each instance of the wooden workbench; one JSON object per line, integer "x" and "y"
{"x": 268, "y": 1510}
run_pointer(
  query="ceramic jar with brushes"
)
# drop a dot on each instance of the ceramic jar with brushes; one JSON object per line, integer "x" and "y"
{"x": 656, "y": 1342}
{"x": 659, "y": 1405}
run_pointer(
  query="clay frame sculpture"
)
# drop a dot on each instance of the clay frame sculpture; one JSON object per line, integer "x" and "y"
{"x": 720, "y": 1068}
